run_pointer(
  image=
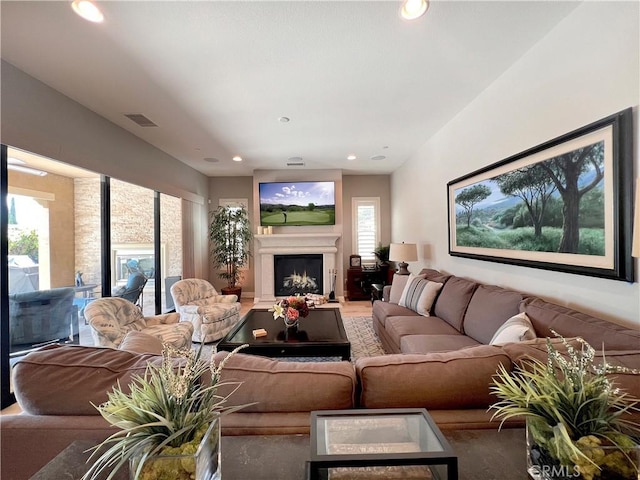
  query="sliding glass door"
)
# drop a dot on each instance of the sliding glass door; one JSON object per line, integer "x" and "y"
{"x": 55, "y": 259}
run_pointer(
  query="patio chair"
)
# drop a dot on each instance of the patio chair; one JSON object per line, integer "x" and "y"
{"x": 213, "y": 315}
{"x": 132, "y": 291}
{"x": 41, "y": 317}
{"x": 111, "y": 318}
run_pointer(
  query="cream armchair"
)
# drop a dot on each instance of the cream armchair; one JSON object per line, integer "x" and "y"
{"x": 111, "y": 318}
{"x": 213, "y": 315}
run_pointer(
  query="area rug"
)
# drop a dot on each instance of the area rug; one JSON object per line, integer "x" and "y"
{"x": 364, "y": 341}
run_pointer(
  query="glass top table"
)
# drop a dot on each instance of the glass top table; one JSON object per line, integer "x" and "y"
{"x": 379, "y": 443}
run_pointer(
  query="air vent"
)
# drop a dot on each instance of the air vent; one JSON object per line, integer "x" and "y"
{"x": 295, "y": 164}
{"x": 140, "y": 119}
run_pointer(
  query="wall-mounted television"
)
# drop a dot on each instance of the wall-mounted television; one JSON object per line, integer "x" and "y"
{"x": 297, "y": 203}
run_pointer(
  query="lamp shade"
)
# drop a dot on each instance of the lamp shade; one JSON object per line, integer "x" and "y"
{"x": 636, "y": 223}
{"x": 403, "y": 252}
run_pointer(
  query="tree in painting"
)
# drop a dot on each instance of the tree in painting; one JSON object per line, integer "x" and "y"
{"x": 533, "y": 185}
{"x": 565, "y": 171}
{"x": 469, "y": 197}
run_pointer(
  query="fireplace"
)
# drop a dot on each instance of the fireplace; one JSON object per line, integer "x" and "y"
{"x": 297, "y": 274}
{"x": 268, "y": 246}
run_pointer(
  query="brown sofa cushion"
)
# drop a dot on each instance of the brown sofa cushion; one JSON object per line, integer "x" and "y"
{"x": 398, "y": 328}
{"x": 65, "y": 379}
{"x": 547, "y": 316}
{"x": 450, "y": 380}
{"x": 434, "y": 275}
{"x": 489, "y": 308}
{"x": 289, "y": 386}
{"x": 435, "y": 343}
{"x": 453, "y": 300}
{"x": 382, "y": 311}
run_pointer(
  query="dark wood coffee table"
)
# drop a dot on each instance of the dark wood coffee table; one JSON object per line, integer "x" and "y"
{"x": 320, "y": 334}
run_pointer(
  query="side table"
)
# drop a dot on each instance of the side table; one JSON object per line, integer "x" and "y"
{"x": 376, "y": 291}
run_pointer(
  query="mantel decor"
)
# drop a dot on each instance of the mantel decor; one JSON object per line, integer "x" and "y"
{"x": 564, "y": 205}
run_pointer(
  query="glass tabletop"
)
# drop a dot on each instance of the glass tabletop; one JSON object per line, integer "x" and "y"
{"x": 370, "y": 438}
{"x": 383, "y": 433}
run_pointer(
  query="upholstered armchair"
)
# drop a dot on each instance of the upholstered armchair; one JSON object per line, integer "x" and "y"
{"x": 111, "y": 318}
{"x": 213, "y": 315}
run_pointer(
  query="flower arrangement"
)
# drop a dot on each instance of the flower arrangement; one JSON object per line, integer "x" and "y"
{"x": 575, "y": 415}
{"x": 291, "y": 309}
{"x": 166, "y": 411}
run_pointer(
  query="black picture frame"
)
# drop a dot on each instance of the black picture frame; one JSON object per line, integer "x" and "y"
{"x": 355, "y": 261}
{"x": 593, "y": 235}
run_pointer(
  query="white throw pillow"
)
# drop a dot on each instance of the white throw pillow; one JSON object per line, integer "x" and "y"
{"x": 419, "y": 295}
{"x": 517, "y": 329}
{"x": 397, "y": 287}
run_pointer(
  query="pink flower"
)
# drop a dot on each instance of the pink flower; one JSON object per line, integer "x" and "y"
{"x": 292, "y": 313}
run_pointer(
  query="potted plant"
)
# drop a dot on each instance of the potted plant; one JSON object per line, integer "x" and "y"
{"x": 230, "y": 235}
{"x": 382, "y": 256}
{"x": 169, "y": 420}
{"x": 575, "y": 416}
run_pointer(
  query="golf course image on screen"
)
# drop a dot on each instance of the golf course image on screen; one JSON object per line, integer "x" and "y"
{"x": 297, "y": 203}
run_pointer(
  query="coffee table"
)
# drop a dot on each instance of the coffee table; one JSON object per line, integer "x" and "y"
{"x": 320, "y": 334}
{"x": 351, "y": 442}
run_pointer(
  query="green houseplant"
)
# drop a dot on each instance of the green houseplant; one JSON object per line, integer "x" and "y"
{"x": 576, "y": 425}
{"x": 230, "y": 235}
{"x": 167, "y": 417}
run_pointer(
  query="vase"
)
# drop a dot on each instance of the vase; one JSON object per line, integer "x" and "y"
{"x": 609, "y": 462}
{"x": 203, "y": 464}
{"x": 288, "y": 323}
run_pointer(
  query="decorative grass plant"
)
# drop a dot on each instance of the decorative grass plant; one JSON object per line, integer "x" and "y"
{"x": 573, "y": 411}
{"x": 166, "y": 411}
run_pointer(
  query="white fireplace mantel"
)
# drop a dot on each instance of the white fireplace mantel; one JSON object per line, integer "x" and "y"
{"x": 290, "y": 244}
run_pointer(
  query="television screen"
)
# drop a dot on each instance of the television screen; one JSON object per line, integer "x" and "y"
{"x": 297, "y": 203}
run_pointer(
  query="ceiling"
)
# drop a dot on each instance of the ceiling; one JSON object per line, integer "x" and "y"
{"x": 352, "y": 76}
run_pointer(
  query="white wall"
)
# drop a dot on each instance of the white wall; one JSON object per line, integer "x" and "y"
{"x": 41, "y": 120}
{"x": 585, "y": 69}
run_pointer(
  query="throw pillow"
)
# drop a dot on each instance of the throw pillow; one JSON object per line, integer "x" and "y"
{"x": 397, "y": 287}
{"x": 419, "y": 295}
{"x": 517, "y": 329}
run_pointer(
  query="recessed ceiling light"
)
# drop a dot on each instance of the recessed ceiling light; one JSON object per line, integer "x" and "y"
{"x": 211, "y": 160}
{"x": 284, "y": 119}
{"x": 237, "y": 158}
{"x": 378, "y": 157}
{"x": 412, "y": 9}
{"x": 351, "y": 157}
{"x": 294, "y": 159}
{"x": 87, "y": 10}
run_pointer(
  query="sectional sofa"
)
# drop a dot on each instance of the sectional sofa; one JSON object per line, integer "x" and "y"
{"x": 442, "y": 362}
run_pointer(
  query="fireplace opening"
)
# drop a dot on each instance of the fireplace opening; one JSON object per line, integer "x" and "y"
{"x": 297, "y": 274}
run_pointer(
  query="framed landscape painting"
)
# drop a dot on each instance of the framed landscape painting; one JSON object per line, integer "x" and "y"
{"x": 564, "y": 205}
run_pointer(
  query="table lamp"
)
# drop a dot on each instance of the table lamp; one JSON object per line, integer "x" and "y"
{"x": 403, "y": 253}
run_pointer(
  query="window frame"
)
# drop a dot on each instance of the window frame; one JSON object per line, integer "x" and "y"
{"x": 356, "y": 203}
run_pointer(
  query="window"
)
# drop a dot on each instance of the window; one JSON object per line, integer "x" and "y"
{"x": 366, "y": 226}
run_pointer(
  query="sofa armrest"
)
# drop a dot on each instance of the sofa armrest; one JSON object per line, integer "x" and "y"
{"x": 225, "y": 298}
{"x": 163, "y": 319}
{"x": 386, "y": 290}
